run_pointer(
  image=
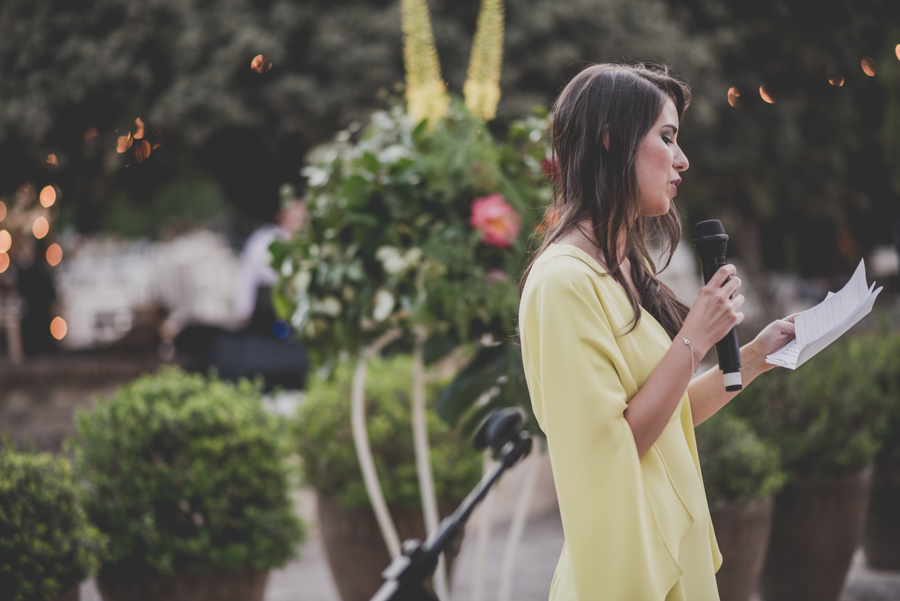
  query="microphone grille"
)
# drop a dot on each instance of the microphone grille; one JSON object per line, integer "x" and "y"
{"x": 710, "y": 227}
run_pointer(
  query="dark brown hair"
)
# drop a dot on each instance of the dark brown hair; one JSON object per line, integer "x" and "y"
{"x": 598, "y": 182}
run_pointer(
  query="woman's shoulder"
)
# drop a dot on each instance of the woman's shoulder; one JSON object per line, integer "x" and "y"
{"x": 564, "y": 264}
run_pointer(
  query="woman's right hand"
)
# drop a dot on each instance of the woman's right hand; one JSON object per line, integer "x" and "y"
{"x": 715, "y": 311}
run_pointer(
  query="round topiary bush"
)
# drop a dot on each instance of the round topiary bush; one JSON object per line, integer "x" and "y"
{"x": 325, "y": 440}
{"x": 47, "y": 544}
{"x": 737, "y": 465}
{"x": 188, "y": 474}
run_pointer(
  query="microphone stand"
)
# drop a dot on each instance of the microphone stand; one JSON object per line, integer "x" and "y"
{"x": 405, "y": 576}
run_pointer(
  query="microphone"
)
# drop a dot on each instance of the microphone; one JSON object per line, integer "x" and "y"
{"x": 711, "y": 242}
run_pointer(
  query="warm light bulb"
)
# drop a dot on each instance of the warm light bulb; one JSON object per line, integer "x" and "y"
{"x": 54, "y": 254}
{"x": 868, "y": 66}
{"x": 2, "y": 210}
{"x": 733, "y": 95}
{"x": 58, "y": 328}
{"x": 48, "y": 196}
{"x": 41, "y": 227}
{"x": 764, "y": 94}
{"x": 4, "y": 262}
{"x": 5, "y": 241}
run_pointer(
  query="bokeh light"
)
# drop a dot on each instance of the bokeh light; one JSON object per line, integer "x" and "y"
{"x": 54, "y": 254}
{"x": 58, "y": 328}
{"x": 5, "y": 241}
{"x": 142, "y": 151}
{"x": 48, "y": 196}
{"x": 52, "y": 160}
{"x": 733, "y": 95}
{"x": 765, "y": 95}
{"x": 868, "y": 66}
{"x": 124, "y": 143}
{"x": 90, "y": 133}
{"x": 2, "y": 210}
{"x": 41, "y": 227}
{"x": 897, "y": 51}
{"x": 4, "y": 262}
{"x": 260, "y": 64}
{"x": 140, "y": 129}
{"x": 835, "y": 78}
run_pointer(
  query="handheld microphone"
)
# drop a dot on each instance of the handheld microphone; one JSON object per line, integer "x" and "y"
{"x": 711, "y": 242}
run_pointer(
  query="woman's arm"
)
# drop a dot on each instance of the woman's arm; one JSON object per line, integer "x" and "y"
{"x": 707, "y": 391}
{"x": 714, "y": 313}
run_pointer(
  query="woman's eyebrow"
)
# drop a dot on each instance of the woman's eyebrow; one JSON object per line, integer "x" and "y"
{"x": 674, "y": 129}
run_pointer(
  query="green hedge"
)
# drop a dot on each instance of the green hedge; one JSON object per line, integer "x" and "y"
{"x": 188, "y": 473}
{"x": 325, "y": 439}
{"x": 824, "y": 416}
{"x": 47, "y": 544}
{"x": 737, "y": 466}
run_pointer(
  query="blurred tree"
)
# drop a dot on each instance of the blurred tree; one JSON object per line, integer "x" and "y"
{"x": 807, "y": 179}
{"x": 77, "y": 74}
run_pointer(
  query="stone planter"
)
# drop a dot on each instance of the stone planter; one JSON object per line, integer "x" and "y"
{"x": 219, "y": 585}
{"x": 816, "y": 529}
{"x": 742, "y": 531}
{"x": 882, "y": 538}
{"x": 355, "y": 549}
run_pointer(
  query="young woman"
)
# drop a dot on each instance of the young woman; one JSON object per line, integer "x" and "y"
{"x": 609, "y": 350}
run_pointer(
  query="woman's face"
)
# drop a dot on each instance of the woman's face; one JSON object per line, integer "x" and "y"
{"x": 659, "y": 163}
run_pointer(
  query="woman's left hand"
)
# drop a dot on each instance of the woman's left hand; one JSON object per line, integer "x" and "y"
{"x": 773, "y": 337}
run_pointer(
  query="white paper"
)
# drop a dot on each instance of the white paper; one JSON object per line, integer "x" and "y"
{"x": 818, "y": 327}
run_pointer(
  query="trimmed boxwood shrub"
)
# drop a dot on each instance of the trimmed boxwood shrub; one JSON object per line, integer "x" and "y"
{"x": 824, "y": 416}
{"x": 325, "y": 439}
{"x": 737, "y": 466}
{"x": 188, "y": 473}
{"x": 47, "y": 544}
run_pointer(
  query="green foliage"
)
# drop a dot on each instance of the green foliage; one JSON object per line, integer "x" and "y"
{"x": 737, "y": 465}
{"x": 885, "y": 368}
{"x": 824, "y": 416}
{"x": 390, "y": 243}
{"x": 325, "y": 440}
{"x": 188, "y": 473}
{"x": 47, "y": 544}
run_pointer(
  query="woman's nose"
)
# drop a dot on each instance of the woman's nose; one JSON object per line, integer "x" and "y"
{"x": 681, "y": 162}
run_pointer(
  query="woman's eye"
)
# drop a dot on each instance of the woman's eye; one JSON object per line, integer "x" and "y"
{"x": 667, "y": 139}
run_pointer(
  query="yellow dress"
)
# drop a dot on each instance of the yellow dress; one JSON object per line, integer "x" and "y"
{"x": 636, "y": 529}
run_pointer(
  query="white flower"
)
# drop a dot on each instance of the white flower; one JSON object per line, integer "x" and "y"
{"x": 301, "y": 281}
{"x": 329, "y": 306}
{"x": 287, "y": 267}
{"x": 384, "y": 304}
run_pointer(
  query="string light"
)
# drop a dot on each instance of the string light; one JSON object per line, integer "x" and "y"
{"x": 54, "y": 254}
{"x": 868, "y": 66}
{"x": 48, "y": 196}
{"x": 733, "y": 95}
{"x": 58, "y": 328}
{"x": 4, "y": 262}
{"x": 2, "y": 210}
{"x": 41, "y": 227}
{"x": 764, "y": 94}
{"x": 5, "y": 241}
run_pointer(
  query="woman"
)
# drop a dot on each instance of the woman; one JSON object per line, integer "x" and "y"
{"x": 609, "y": 350}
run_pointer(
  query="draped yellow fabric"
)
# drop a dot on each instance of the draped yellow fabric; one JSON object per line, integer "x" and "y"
{"x": 636, "y": 529}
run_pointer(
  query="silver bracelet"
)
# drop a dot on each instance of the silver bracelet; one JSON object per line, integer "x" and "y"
{"x": 694, "y": 362}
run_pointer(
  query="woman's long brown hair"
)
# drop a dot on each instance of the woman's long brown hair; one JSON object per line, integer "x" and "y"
{"x": 596, "y": 179}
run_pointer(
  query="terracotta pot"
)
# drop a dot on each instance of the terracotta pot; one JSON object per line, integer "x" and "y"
{"x": 220, "y": 585}
{"x": 355, "y": 549}
{"x": 882, "y": 538}
{"x": 72, "y": 594}
{"x": 816, "y": 529}
{"x": 742, "y": 531}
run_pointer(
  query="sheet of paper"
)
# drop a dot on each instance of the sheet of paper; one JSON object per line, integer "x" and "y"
{"x": 821, "y": 325}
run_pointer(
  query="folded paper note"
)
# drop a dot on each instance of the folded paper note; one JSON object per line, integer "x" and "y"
{"x": 818, "y": 327}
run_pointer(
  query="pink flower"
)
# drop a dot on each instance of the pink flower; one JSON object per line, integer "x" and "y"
{"x": 497, "y": 221}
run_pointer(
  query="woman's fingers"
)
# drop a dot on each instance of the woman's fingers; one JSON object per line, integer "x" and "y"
{"x": 722, "y": 274}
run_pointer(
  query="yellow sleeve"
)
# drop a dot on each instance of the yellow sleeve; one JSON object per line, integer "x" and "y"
{"x": 575, "y": 371}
